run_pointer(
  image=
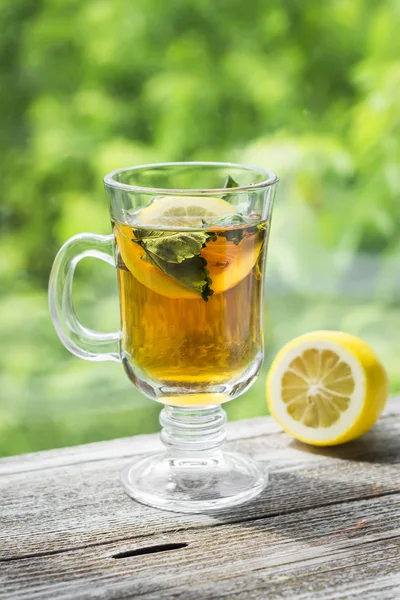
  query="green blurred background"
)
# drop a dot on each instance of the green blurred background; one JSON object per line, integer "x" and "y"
{"x": 306, "y": 88}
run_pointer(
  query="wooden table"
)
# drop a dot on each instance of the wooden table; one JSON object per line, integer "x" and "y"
{"x": 326, "y": 527}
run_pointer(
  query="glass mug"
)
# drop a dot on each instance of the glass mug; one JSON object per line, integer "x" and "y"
{"x": 189, "y": 243}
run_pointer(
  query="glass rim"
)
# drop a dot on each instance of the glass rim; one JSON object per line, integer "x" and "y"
{"x": 270, "y": 179}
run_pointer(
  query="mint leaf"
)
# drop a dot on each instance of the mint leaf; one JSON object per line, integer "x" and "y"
{"x": 178, "y": 255}
{"x": 175, "y": 247}
{"x": 120, "y": 263}
{"x": 236, "y": 234}
{"x": 230, "y": 182}
{"x": 234, "y": 219}
{"x": 256, "y": 270}
{"x": 192, "y": 273}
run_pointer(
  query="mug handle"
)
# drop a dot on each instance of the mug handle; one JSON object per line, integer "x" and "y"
{"x": 81, "y": 341}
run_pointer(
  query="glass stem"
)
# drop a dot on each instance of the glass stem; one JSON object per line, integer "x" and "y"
{"x": 192, "y": 430}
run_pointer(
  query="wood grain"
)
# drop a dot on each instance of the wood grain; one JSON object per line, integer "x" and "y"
{"x": 83, "y": 503}
{"x": 326, "y": 527}
{"x": 141, "y": 444}
{"x": 354, "y": 546}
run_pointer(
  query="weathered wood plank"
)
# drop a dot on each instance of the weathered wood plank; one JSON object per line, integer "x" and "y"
{"x": 141, "y": 444}
{"x": 122, "y": 448}
{"x": 66, "y": 507}
{"x": 344, "y": 551}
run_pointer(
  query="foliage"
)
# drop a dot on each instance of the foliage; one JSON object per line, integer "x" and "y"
{"x": 309, "y": 89}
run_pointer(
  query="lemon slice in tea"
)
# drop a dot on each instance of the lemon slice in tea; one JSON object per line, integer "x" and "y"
{"x": 227, "y": 263}
{"x": 326, "y": 388}
{"x": 186, "y": 211}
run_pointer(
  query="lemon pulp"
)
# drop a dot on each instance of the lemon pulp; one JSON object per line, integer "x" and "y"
{"x": 186, "y": 211}
{"x": 317, "y": 388}
{"x": 326, "y": 387}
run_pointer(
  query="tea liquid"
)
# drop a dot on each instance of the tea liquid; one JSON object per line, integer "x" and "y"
{"x": 170, "y": 333}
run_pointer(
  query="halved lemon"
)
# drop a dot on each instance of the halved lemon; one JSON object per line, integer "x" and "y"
{"x": 326, "y": 387}
{"x": 227, "y": 263}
